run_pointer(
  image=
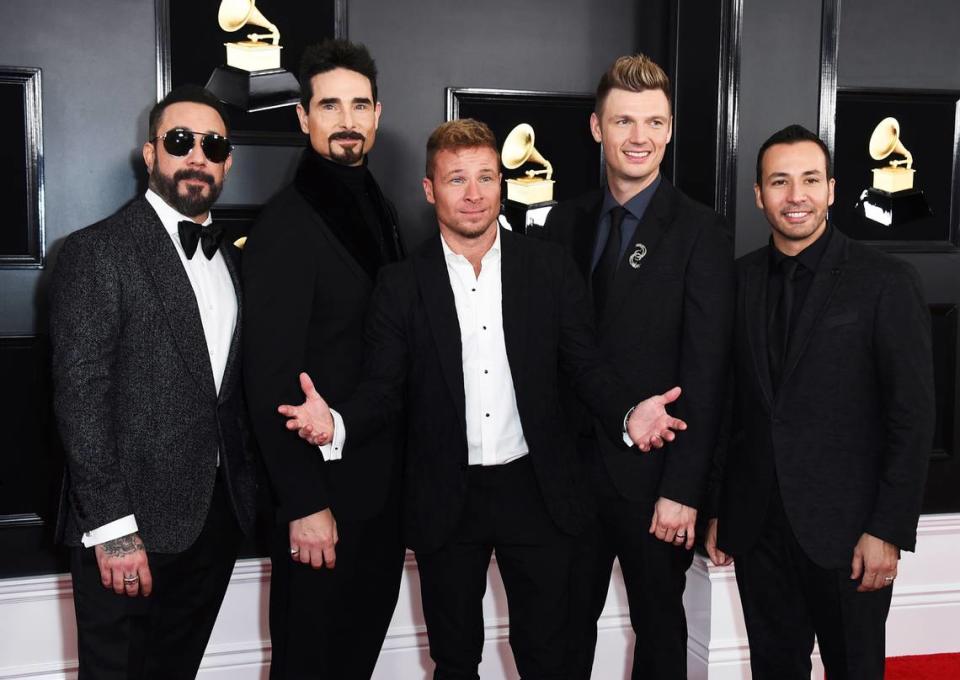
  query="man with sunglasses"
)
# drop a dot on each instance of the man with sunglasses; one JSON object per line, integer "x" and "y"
{"x": 145, "y": 327}
{"x": 309, "y": 266}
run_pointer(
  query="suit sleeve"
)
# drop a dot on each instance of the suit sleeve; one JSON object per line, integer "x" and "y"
{"x": 904, "y": 363}
{"x": 85, "y": 326}
{"x": 279, "y": 271}
{"x": 582, "y": 361}
{"x": 378, "y": 399}
{"x": 708, "y": 310}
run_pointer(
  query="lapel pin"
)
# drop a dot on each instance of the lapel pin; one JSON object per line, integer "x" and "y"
{"x": 637, "y": 255}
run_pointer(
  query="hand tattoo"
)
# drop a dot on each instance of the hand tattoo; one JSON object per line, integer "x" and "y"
{"x": 125, "y": 545}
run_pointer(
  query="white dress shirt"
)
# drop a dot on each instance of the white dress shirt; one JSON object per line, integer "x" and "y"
{"x": 217, "y": 303}
{"x": 494, "y": 432}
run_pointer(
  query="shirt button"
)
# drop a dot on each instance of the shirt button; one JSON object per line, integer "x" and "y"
{"x": 484, "y": 328}
{"x": 485, "y": 371}
{"x": 488, "y": 415}
{"x": 473, "y": 290}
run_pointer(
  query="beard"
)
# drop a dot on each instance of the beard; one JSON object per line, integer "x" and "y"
{"x": 346, "y": 155}
{"x": 192, "y": 204}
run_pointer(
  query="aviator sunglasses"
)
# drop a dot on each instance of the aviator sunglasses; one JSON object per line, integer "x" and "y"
{"x": 179, "y": 141}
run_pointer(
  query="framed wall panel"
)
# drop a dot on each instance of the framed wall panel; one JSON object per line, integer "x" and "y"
{"x": 21, "y": 168}
{"x": 930, "y": 130}
{"x": 190, "y": 45}
{"x": 31, "y": 464}
{"x": 941, "y": 495}
{"x": 561, "y": 124}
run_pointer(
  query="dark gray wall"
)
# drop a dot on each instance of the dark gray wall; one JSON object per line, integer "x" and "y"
{"x": 98, "y": 83}
{"x": 779, "y": 85}
{"x": 884, "y": 43}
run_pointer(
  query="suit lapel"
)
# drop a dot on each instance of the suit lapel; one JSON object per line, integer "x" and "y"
{"x": 175, "y": 292}
{"x": 648, "y": 232}
{"x": 824, "y": 284}
{"x": 228, "y": 383}
{"x": 515, "y": 297}
{"x": 441, "y": 311}
{"x": 755, "y": 316}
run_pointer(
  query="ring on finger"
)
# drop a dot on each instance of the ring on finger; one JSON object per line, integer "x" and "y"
{"x": 130, "y": 580}
{"x": 294, "y": 552}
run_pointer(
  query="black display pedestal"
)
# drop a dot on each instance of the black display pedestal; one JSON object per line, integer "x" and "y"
{"x": 891, "y": 209}
{"x": 254, "y": 90}
{"x": 523, "y": 217}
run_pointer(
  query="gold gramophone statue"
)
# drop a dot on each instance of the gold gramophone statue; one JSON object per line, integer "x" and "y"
{"x": 253, "y": 79}
{"x": 530, "y": 197}
{"x": 892, "y": 199}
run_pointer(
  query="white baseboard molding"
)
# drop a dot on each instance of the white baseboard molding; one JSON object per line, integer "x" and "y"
{"x": 38, "y": 635}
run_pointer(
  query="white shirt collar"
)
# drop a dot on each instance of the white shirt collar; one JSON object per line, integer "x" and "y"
{"x": 167, "y": 214}
{"x": 451, "y": 256}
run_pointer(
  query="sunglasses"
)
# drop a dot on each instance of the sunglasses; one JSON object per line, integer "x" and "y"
{"x": 179, "y": 141}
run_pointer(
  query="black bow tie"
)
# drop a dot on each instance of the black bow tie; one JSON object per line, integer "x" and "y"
{"x": 192, "y": 233}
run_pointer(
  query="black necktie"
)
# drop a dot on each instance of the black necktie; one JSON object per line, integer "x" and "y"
{"x": 606, "y": 267}
{"x": 192, "y": 233}
{"x": 778, "y": 334}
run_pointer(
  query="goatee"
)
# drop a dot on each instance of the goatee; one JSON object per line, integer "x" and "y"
{"x": 346, "y": 155}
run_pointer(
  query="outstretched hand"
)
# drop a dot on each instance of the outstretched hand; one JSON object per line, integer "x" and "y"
{"x": 311, "y": 419}
{"x": 649, "y": 425}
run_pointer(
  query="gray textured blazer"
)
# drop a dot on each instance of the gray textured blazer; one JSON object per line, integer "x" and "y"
{"x": 134, "y": 393}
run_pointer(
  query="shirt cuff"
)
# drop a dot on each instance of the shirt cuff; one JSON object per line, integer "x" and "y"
{"x": 119, "y": 527}
{"x": 334, "y": 449}
{"x": 626, "y": 437}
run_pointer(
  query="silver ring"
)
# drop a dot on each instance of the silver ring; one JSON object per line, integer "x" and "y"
{"x": 888, "y": 578}
{"x": 681, "y": 536}
{"x": 130, "y": 580}
{"x": 294, "y": 551}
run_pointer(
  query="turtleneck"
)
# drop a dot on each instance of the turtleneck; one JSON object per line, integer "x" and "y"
{"x": 349, "y": 200}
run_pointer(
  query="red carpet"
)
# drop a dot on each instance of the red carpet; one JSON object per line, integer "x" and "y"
{"x": 928, "y": 667}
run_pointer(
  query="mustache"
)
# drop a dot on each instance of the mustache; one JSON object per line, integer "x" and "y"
{"x": 190, "y": 173}
{"x": 346, "y": 134}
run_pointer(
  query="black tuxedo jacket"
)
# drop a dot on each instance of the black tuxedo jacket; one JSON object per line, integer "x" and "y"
{"x": 134, "y": 394}
{"x": 415, "y": 365}
{"x": 848, "y": 434}
{"x": 307, "y": 297}
{"x": 668, "y": 322}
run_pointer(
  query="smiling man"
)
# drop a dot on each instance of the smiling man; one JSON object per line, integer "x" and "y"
{"x": 466, "y": 340}
{"x": 832, "y": 428}
{"x": 660, "y": 268}
{"x": 309, "y": 267}
{"x": 145, "y": 322}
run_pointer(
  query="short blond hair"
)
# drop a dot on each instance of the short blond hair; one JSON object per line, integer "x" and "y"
{"x": 634, "y": 73}
{"x": 463, "y": 133}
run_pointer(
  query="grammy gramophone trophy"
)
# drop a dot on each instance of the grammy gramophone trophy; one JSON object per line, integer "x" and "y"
{"x": 529, "y": 197}
{"x": 252, "y": 79}
{"x": 892, "y": 199}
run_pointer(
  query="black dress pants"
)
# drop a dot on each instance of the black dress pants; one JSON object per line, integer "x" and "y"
{"x": 329, "y": 624}
{"x": 654, "y": 574}
{"x": 163, "y": 636}
{"x": 787, "y": 599}
{"x": 504, "y": 513}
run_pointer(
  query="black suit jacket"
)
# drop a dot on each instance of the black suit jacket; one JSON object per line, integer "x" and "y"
{"x": 307, "y": 297}
{"x": 134, "y": 394}
{"x": 415, "y": 364}
{"x": 847, "y": 436}
{"x": 668, "y": 322}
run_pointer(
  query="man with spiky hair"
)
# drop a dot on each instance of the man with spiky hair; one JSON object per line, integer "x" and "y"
{"x": 309, "y": 266}
{"x": 660, "y": 268}
{"x": 145, "y": 321}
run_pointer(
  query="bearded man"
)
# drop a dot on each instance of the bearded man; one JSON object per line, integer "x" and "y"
{"x": 145, "y": 325}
